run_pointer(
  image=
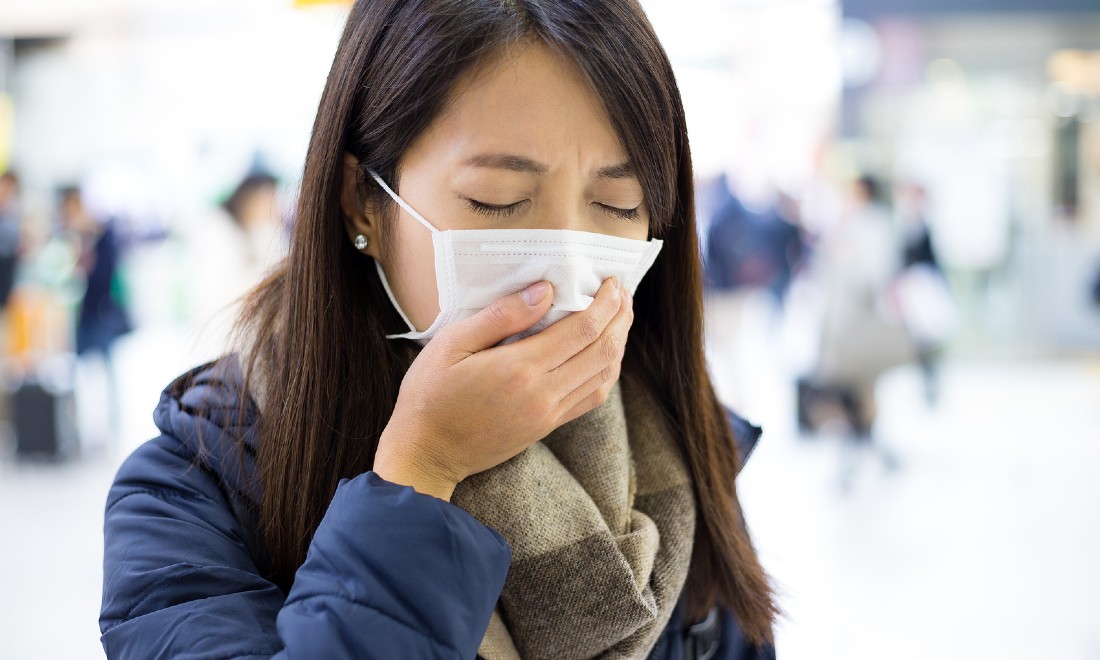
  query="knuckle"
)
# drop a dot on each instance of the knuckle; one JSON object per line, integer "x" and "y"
{"x": 607, "y": 374}
{"x": 543, "y": 408}
{"x": 518, "y": 376}
{"x": 610, "y": 348}
{"x": 589, "y": 329}
{"x": 602, "y": 395}
{"x": 498, "y": 313}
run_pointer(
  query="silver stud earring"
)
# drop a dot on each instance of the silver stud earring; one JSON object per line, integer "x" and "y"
{"x": 361, "y": 242}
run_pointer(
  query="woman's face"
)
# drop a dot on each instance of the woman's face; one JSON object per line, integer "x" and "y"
{"x": 526, "y": 144}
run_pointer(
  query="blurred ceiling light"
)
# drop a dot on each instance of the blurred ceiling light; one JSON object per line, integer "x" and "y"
{"x": 1076, "y": 70}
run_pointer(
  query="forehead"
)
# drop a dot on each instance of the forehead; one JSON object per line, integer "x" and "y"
{"x": 527, "y": 99}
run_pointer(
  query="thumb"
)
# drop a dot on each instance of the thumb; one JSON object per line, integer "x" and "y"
{"x": 507, "y": 316}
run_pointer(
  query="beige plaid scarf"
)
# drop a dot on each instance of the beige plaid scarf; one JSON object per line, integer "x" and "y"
{"x": 600, "y": 516}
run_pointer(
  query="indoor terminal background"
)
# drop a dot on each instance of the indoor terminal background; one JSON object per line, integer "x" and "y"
{"x": 968, "y": 527}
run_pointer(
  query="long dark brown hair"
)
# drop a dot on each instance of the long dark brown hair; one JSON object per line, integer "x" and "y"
{"x": 317, "y": 325}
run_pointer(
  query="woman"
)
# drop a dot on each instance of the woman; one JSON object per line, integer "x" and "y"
{"x": 372, "y": 498}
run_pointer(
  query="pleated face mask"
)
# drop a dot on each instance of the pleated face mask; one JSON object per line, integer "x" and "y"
{"x": 474, "y": 267}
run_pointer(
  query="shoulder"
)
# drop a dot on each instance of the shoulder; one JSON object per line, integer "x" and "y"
{"x": 190, "y": 482}
{"x": 208, "y": 433}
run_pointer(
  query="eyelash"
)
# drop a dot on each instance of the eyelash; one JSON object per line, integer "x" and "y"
{"x": 506, "y": 210}
{"x": 491, "y": 209}
{"x": 626, "y": 214}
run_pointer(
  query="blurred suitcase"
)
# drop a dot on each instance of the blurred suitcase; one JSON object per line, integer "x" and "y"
{"x": 44, "y": 421}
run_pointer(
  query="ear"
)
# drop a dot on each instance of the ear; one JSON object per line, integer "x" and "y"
{"x": 358, "y": 218}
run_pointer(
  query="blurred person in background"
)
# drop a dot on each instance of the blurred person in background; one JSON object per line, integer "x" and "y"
{"x": 11, "y": 231}
{"x": 922, "y": 283}
{"x": 917, "y": 248}
{"x": 102, "y": 316}
{"x": 1095, "y": 289}
{"x": 254, "y": 209}
{"x": 861, "y": 336}
{"x": 739, "y": 269}
{"x": 750, "y": 257}
{"x": 788, "y": 243}
{"x": 10, "y": 237}
{"x": 1094, "y": 285}
{"x": 752, "y": 251}
{"x": 233, "y": 247}
{"x": 355, "y": 495}
{"x": 738, "y": 255}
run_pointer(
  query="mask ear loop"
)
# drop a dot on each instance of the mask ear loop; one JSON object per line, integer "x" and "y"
{"x": 402, "y": 203}
{"x": 378, "y": 266}
{"x": 393, "y": 298}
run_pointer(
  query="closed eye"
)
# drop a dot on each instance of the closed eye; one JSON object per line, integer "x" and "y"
{"x": 500, "y": 210}
{"x": 626, "y": 214}
{"x": 494, "y": 209}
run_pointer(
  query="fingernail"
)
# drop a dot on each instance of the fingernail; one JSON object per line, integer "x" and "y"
{"x": 536, "y": 293}
{"x": 618, "y": 286}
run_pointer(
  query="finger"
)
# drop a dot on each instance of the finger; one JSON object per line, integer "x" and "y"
{"x": 593, "y": 400}
{"x": 602, "y": 380}
{"x": 505, "y": 317}
{"x": 607, "y": 351}
{"x": 552, "y": 347}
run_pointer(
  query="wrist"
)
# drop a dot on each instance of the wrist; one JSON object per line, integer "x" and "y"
{"x": 397, "y": 467}
{"x": 418, "y": 482}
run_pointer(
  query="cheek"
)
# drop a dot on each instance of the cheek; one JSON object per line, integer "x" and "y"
{"x": 410, "y": 269}
{"x": 639, "y": 230}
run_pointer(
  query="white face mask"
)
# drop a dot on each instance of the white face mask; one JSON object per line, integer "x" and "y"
{"x": 474, "y": 267}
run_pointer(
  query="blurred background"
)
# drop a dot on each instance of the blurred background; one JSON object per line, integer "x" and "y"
{"x": 899, "y": 206}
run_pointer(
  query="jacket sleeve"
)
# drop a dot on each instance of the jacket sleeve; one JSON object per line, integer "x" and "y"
{"x": 389, "y": 573}
{"x": 746, "y": 434}
{"x": 734, "y": 646}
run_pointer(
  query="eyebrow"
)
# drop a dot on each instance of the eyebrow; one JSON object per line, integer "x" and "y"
{"x": 507, "y": 162}
{"x": 523, "y": 165}
{"x": 620, "y": 171}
